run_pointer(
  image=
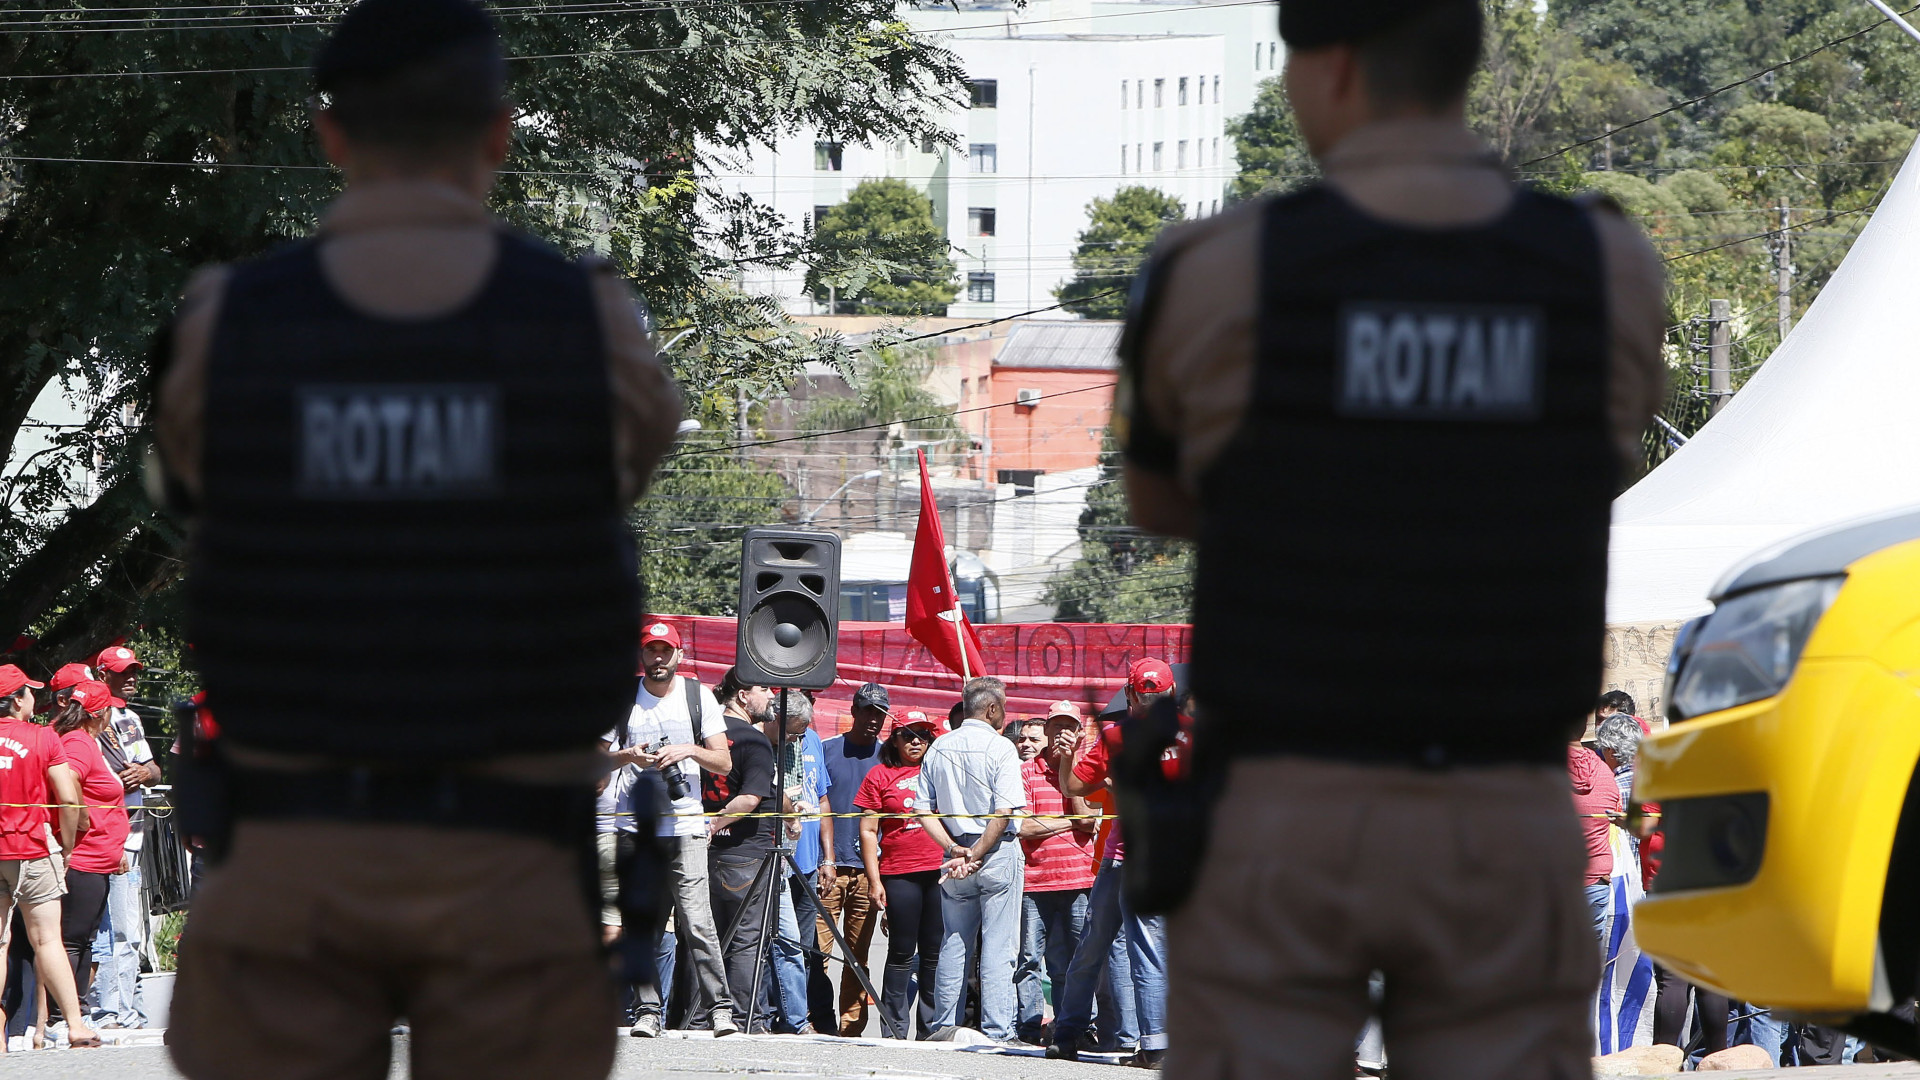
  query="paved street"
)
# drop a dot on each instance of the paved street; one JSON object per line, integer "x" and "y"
{"x": 661, "y": 1059}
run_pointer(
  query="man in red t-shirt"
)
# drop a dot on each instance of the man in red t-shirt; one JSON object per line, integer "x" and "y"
{"x": 33, "y": 766}
{"x": 1060, "y": 864}
{"x": 1595, "y": 795}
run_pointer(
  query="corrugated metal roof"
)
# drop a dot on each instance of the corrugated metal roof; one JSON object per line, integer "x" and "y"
{"x": 1089, "y": 343}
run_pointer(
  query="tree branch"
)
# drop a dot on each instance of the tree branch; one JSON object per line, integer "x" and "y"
{"x": 78, "y": 542}
{"x": 145, "y": 565}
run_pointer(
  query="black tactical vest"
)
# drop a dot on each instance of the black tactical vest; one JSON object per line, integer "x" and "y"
{"x": 1404, "y": 551}
{"x": 411, "y": 546}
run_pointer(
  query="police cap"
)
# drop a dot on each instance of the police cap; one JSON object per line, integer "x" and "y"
{"x": 1312, "y": 24}
{"x": 377, "y": 39}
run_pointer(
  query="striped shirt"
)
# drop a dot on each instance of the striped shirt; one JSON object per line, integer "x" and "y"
{"x": 1061, "y": 861}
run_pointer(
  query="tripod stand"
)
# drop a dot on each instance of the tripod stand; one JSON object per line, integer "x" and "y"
{"x": 770, "y": 878}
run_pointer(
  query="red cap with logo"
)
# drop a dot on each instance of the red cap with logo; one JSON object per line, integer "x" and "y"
{"x": 94, "y": 696}
{"x": 914, "y": 719}
{"x": 1065, "y": 708}
{"x": 117, "y": 658}
{"x": 1150, "y": 677}
{"x": 69, "y": 675}
{"x": 659, "y": 631}
{"x": 12, "y": 679}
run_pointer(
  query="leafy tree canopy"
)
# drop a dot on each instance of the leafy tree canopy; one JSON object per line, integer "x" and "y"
{"x": 1123, "y": 574}
{"x": 622, "y": 112}
{"x": 1120, "y": 231}
{"x": 897, "y": 256}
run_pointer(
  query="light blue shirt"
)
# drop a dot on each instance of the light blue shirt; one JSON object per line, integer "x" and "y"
{"x": 814, "y": 784}
{"x": 968, "y": 772}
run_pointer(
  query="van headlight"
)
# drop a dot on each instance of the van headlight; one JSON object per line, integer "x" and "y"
{"x": 1747, "y": 649}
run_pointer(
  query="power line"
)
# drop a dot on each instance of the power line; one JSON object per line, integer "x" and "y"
{"x": 1770, "y": 233}
{"x": 1677, "y": 106}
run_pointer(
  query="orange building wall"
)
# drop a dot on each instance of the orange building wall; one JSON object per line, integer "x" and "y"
{"x": 1057, "y": 433}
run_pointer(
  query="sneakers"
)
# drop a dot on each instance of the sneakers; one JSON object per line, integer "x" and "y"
{"x": 723, "y": 1024}
{"x": 1063, "y": 1052}
{"x": 647, "y": 1027}
{"x": 1147, "y": 1059}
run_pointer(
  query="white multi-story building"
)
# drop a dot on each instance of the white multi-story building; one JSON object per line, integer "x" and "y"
{"x": 1070, "y": 101}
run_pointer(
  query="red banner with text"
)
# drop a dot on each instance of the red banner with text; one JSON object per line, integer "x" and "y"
{"x": 1041, "y": 663}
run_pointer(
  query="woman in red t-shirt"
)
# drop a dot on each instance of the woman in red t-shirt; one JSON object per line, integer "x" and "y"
{"x": 903, "y": 872}
{"x": 101, "y": 851}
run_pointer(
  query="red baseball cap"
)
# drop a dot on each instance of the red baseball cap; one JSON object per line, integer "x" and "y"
{"x": 1150, "y": 677}
{"x": 659, "y": 631}
{"x": 1065, "y": 708}
{"x": 117, "y": 658}
{"x": 69, "y": 675}
{"x": 12, "y": 679}
{"x": 915, "y": 718}
{"x": 94, "y": 696}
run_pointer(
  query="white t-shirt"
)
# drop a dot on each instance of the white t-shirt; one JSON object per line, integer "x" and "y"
{"x": 655, "y": 720}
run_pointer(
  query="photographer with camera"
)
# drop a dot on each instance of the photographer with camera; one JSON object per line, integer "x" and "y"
{"x": 677, "y": 728}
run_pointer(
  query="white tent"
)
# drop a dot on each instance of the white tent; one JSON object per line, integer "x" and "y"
{"x": 1827, "y": 430}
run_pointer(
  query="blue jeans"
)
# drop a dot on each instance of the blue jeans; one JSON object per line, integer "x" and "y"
{"x": 1599, "y": 897}
{"x": 1108, "y": 918}
{"x": 124, "y": 930}
{"x": 987, "y": 903}
{"x": 1758, "y": 1027}
{"x": 790, "y": 961}
{"x": 1051, "y": 923}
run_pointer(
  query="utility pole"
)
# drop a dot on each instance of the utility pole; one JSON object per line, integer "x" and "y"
{"x": 1719, "y": 354}
{"x": 1783, "y": 269}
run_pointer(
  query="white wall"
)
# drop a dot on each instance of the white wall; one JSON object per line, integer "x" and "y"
{"x": 1058, "y": 131}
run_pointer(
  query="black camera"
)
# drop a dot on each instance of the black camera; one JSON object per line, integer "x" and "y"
{"x": 677, "y": 788}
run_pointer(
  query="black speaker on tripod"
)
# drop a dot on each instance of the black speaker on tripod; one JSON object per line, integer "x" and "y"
{"x": 789, "y": 608}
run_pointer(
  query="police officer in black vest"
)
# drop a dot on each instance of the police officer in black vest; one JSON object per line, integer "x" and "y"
{"x": 1392, "y": 408}
{"x": 406, "y": 446}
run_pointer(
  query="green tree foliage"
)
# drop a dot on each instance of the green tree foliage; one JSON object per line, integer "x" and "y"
{"x": 896, "y": 257}
{"x": 1268, "y": 145}
{"x": 888, "y": 385}
{"x": 689, "y": 526}
{"x": 1120, "y": 231}
{"x": 622, "y": 111}
{"x": 1123, "y": 575}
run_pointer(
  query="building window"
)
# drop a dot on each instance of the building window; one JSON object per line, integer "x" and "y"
{"x": 826, "y": 156}
{"x": 983, "y": 157}
{"x": 1136, "y": 157}
{"x": 1123, "y": 93}
{"x": 1216, "y": 151}
{"x": 1256, "y": 56}
{"x": 927, "y": 145}
{"x": 1180, "y": 155}
{"x": 1156, "y": 156}
{"x": 1273, "y": 54}
{"x": 979, "y": 288}
{"x": 1202, "y": 80}
{"x": 1123, "y": 159}
{"x": 986, "y": 93}
{"x": 1159, "y": 93}
{"x": 1216, "y": 89}
{"x": 1183, "y": 89}
{"x": 980, "y": 220}
{"x": 1139, "y": 93}
{"x": 1216, "y": 207}
{"x": 820, "y": 215}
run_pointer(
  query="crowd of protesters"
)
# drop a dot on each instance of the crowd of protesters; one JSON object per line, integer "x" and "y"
{"x": 73, "y": 761}
{"x": 982, "y": 845}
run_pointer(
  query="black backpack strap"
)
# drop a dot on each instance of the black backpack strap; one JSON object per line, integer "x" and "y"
{"x": 696, "y": 713}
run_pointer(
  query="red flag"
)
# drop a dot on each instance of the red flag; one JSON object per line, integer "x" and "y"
{"x": 934, "y": 616}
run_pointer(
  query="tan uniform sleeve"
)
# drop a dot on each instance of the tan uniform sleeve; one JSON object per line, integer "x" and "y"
{"x": 646, "y": 404}
{"x": 180, "y": 409}
{"x": 1636, "y": 312}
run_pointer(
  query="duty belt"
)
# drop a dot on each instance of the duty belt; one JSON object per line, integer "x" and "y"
{"x": 395, "y": 796}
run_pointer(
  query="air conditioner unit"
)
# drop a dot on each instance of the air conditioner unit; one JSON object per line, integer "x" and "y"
{"x": 1026, "y": 396}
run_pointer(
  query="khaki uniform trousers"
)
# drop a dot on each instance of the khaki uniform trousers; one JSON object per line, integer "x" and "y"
{"x": 849, "y": 902}
{"x": 307, "y": 944}
{"x": 1461, "y": 886}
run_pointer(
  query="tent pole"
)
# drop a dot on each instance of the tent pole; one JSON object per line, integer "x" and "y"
{"x": 1897, "y": 20}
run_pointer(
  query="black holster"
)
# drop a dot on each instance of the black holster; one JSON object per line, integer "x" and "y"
{"x": 1167, "y": 819}
{"x": 202, "y": 784}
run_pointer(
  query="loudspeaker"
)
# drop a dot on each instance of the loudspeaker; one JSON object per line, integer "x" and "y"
{"x": 789, "y": 608}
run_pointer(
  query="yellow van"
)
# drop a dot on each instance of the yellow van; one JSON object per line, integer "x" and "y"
{"x": 1790, "y": 875}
